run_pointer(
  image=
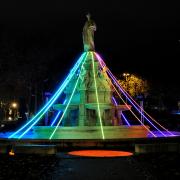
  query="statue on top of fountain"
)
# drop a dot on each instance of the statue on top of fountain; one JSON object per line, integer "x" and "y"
{"x": 88, "y": 34}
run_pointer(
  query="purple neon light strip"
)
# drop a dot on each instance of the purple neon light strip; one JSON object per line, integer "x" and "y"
{"x": 143, "y": 111}
{"x": 121, "y": 113}
{"x": 143, "y": 114}
{"x": 136, "y": 106}
{"x": 125, "y": 93}
{"x": 115, "y": 81}
{"x": 130, "y": 109}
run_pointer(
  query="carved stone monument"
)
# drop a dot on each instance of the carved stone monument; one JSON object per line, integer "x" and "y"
{"x": 82, "y": 118}
{"x": 88, "y": 34}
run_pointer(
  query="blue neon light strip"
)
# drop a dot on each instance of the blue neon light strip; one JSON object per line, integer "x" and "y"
{"x": 115, "y": 102}
{"x": 54, "y": 97}
{"x": 72, "y": 74}
{"x": 127, "y": 122}
{"x": 58, "y": 114}
{"x": 51, "y": 136}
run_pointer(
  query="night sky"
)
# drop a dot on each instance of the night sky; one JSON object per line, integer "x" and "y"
{"x": 133, "y": 36}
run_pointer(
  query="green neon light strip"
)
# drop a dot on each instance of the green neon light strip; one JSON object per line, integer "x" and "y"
{"x": 51, "y": 136}
{"x": 99, "y": 113}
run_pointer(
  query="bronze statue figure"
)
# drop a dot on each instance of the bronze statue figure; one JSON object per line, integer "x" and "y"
{"x": 88, "y": 34}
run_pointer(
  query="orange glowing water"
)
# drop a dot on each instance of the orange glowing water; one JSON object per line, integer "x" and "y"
{"x": 100, "y": 153}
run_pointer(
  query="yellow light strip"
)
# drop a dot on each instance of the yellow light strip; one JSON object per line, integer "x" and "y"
{"x": 69, "y": 100}
{"x": 99, "y": 113}
{"x": 130, "y": 109}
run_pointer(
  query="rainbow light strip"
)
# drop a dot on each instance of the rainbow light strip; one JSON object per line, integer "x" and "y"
{"x": 40, "y": 116}
{"x": 52, "y": 100}
{"x": 51, "y": 136}
{"x": 98, "y": 107}
{"x": 144, "y": 115}
{"x": 129, "y": 109}
{"x": 146, "y": 118}
{"x": 126, "y": 94}
{"x": 137, "y": 106}
{"x": 132, "y": 111}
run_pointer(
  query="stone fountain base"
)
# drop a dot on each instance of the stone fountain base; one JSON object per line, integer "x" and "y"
{"x": 91, "y": 132}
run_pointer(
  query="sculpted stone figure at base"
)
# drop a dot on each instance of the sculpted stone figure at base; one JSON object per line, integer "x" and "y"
{"x": 88, "y": 34}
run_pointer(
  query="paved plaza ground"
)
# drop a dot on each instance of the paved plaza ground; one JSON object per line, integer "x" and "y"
{"x": 63, "y": 166}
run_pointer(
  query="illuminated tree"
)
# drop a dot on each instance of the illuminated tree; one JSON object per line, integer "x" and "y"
{"x": 134, "y": 85}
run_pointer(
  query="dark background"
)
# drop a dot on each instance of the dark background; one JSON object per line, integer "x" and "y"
{"x": 40, "y": 41}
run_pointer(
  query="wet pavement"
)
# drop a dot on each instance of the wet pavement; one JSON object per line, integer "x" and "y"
{"x": 63, "y": 166}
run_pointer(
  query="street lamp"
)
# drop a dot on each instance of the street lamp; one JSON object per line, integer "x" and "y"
{"x": 14, "y": 106}
{"x": 126, "y": 77}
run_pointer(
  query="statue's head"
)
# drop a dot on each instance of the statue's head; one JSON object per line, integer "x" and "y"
{"x": 88, "y": 16}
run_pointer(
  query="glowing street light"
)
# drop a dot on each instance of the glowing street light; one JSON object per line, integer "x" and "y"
{"x": 14, "y": 105}
{"x": 126, "y": 75}
{"x": 14, "y": 109}
{"x": 10, "y": 118}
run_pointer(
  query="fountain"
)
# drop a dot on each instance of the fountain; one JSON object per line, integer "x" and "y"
{"x": 90, "y": 109}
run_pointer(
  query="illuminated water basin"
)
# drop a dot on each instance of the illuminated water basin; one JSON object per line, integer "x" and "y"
{"x": 31, "y": 135}
{"x": 100, "y": 153}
